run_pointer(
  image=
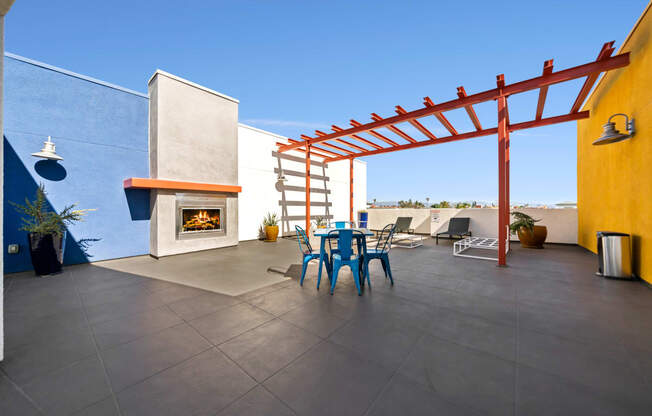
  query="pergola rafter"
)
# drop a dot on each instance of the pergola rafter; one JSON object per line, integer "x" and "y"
{"x": 592, "y": 70}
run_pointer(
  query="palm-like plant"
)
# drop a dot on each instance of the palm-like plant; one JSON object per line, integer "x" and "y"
{"x": 522, "y": 221}
{"x": 40, "y": 220}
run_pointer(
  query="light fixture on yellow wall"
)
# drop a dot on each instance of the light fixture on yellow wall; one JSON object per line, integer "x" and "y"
{"x": 48, "y": 151}
{"x": 611, "y": 134}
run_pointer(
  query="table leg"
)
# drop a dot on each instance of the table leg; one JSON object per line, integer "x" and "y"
{"x": 322, "y": 253}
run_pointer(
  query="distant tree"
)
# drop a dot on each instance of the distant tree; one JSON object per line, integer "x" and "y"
{"x": 444, "y": 204}
{"x": 410, "y": 204}
{"x": 462, "y": 205}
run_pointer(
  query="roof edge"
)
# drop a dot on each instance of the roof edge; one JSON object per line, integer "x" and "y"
{"x": 190, "y": 83}
{"x": 73, "y": 74}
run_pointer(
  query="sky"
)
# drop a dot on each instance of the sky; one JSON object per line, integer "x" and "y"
{"x": 297, "y": 66}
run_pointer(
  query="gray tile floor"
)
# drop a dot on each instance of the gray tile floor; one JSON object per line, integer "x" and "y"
{"x": 452, "y": 336}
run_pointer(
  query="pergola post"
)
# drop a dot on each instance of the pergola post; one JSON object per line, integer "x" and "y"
{"x": 503, "y": 207}
{"x": 507, "y": 200}
{"x": 308, "y": 189}
{"x": 351, "y": 190}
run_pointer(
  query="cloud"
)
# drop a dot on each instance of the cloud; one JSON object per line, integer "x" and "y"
{"x": 285, "y": 123}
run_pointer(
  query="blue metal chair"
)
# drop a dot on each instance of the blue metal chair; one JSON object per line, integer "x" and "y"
{"x": 381, "y": 252}
{"x": 345, "y": 256}
{"x": 308, "y": 253}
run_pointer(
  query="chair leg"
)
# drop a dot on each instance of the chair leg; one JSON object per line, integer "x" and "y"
{"x": 382, "y": 263}
{"x": 306, "y": 260}
{"x": 366, "y": 273}
{"x": 336, "y": 270}
{"x": 437, "y": 239}
{"x": 354, "y": 265}
{"x": 389, "y": 269}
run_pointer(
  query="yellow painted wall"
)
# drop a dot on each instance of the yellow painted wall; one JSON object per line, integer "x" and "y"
{"x": 614, "y": 181}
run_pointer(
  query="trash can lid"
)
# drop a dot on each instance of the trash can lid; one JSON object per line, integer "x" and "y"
{"x": 611, "y": 234}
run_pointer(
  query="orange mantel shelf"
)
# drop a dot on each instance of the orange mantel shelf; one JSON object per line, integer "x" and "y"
{"x": 147, "y": 183}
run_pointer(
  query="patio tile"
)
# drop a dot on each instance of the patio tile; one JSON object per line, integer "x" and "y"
{"x": 259, "y": 292}
{"x": 581, "y": 327}
{"x": 202, "y": 305}
{"x": 24, "y": 363}
{"x": 130, "y": 363}
{"x": 540, "y": 393}
{"x": 71, "y": 388}
{"x": 178, "y": 292}
{"x": 283, "y": 300}
{"x": 106, "y": 280}
{"x": 106, "y": 407}
{"x": 114, "y": 294}
{"x": 13, "y": 402}
{"x": 123, "y": 308}
{"x": 230, "y": 322}
{"x": 266, "y": 349}
{"x": 203, "y": 385}
{"x": 491, "y": 309}
{"x": 315, "y": 317}
{"x": 504, "y": 291}
{"x": 385, "y": 341}
{"x": 406, "y": 398}
{"x": 258, "y": 402}
{"x": 41, "y": 305}
{"x": 121, "y": 330}
{"x": 329, "y": 380}
{"x": 453, "y": 371}
{"x": 596, "y": 366}
{"x": 21, "y": 331}
{"x": 478, "y": 333}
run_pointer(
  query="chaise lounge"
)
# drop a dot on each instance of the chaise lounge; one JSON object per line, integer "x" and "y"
{"x": 457, "y": 227}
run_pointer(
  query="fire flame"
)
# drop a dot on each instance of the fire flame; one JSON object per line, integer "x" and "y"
{"x": 202, "y": 221}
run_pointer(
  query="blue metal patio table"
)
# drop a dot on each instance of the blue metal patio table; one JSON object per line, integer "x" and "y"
{"x": 323, "y": 234}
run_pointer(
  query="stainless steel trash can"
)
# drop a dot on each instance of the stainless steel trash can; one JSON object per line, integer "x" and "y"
{"x": 614, "y": 255}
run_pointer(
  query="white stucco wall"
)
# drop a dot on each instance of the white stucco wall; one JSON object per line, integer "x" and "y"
{"x": 259, "y": 194}
{"x": 561, "y": 223}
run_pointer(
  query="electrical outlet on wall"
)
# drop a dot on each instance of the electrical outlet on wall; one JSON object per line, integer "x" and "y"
{"x": 13, "y": 248}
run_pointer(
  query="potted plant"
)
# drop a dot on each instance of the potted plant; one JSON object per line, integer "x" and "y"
{"x": 320, "y": 222}
{"x": 530, "y": 235}
{"x": 271, "y": 226}
{"x": 46, "y": 231}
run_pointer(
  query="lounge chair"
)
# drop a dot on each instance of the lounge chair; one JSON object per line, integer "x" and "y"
{"x": 404, "y": 236}
{"x": 457, "y": 227}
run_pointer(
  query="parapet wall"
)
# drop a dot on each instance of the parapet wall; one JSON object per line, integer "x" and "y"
{"x": 561, "y": 223}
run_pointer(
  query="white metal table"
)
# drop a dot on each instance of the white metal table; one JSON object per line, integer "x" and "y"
{"x": 485, "y": 243}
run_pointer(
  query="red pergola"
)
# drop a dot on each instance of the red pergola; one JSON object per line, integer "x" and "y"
{"x": 329, "y": 146}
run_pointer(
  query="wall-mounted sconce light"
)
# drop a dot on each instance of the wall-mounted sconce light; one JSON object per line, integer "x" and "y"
{"x": 611, "y": 134}
{"x": 48, "y": 151}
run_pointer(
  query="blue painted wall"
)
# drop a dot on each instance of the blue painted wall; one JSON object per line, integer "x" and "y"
{"x": 101, "y": 132}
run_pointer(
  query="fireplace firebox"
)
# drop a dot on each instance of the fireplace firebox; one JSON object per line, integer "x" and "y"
{"x": 200, "y": 216}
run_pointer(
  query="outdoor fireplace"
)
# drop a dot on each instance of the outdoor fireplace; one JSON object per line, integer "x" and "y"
{"x": 200, "y": 215}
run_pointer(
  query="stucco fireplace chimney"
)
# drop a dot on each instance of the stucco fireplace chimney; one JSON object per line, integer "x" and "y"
{"x": 193, "y": 138}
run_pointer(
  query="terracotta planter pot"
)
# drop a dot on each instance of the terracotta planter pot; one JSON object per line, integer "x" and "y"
{"x": 271, "y": 231}
{"x": 533, "y": 239}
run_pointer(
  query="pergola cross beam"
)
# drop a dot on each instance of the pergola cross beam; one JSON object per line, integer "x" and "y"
{"x": 543, "y": 91}
{"x": 469, "y": 109}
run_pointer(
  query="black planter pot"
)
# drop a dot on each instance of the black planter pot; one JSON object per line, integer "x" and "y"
{"x": 46, "y": 251}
